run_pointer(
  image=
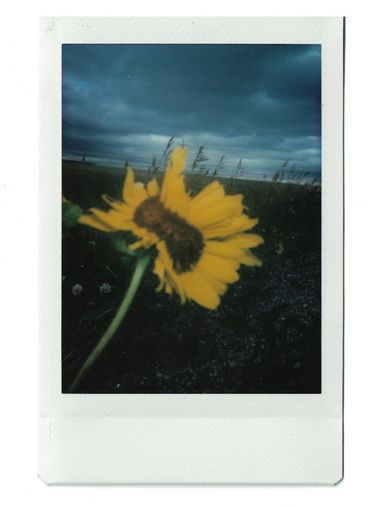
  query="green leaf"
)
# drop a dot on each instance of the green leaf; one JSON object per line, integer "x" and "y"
{"x": 122, "y": 246}
{"x": 71, "y": 213}
{"x": 122, "y": 241}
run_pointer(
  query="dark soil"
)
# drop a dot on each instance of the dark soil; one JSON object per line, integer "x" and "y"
{"x": 265, "y": 337}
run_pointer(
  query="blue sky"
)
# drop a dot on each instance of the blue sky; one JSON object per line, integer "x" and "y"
{"x": 258, "y": 103}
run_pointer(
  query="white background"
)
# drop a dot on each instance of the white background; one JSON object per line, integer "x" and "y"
{"x": 18, "y": 265}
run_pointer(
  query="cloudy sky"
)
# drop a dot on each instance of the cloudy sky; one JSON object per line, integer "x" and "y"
{"x": 258, "y": 103}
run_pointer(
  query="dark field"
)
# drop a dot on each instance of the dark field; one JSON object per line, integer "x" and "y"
{"x": 265, "y": 337}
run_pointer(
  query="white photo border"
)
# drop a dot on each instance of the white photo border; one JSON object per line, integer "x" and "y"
{"x": 191, "y": 438}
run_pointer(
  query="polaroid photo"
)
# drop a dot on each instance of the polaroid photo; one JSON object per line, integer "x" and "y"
{"x": 191, "y": 269}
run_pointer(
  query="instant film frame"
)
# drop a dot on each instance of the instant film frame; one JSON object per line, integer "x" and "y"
{"x": 191, "y": 438}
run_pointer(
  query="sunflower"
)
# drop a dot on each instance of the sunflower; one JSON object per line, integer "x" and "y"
{"x": 200, "y": 240}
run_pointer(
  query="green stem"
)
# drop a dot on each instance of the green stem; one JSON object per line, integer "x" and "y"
{"x": 140, "y": 268}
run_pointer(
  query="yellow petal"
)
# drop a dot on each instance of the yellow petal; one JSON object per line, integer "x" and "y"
{"x": 139, "y": 194}
{"x": 128, "y": 186}
{"x": 94, "y": 222}
{"x": 199, "y": 290}
{"x": 170, "y": 273}
{"x": 153, "y": 188}
{"x": 148, "y": 237}
{"x": 177, "y": 200}
{"x": 178, "y": 160}
{"x": 147, "y": 241}
{"x": 113, "y": 219}
{"x": 224, "y": 209}
{"x": 168, "y": 288}
{"x": 247, "y": 240}
{"x": 224, "y": 269}
{"x": 175, "y": 283}
{"x": 211, "y": 193}
{"x": 173, "y": 194}
{"x": 250, "y": 260}
{"x": 159, "y": 270}
{"x": 236, "y": 225}
{"x": 136, "y": 245}
{"x": 133, "y": 192}
{"x": 223, "y": 248}
{"x": 207, "y": 200}
{"x": 126, "y": 211}
{"x": 219, "y": 286}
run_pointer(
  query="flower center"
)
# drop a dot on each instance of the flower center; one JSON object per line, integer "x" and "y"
{"x": 184, "y": 242}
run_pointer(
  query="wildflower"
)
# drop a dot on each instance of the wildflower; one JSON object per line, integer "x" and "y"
{"x": 77, "y": 289}
{"x": 200, "y": 239}
{"x": 105, "y": 288}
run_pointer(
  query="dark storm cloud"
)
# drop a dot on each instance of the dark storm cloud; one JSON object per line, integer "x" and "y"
{"x": 260, "y": 103}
